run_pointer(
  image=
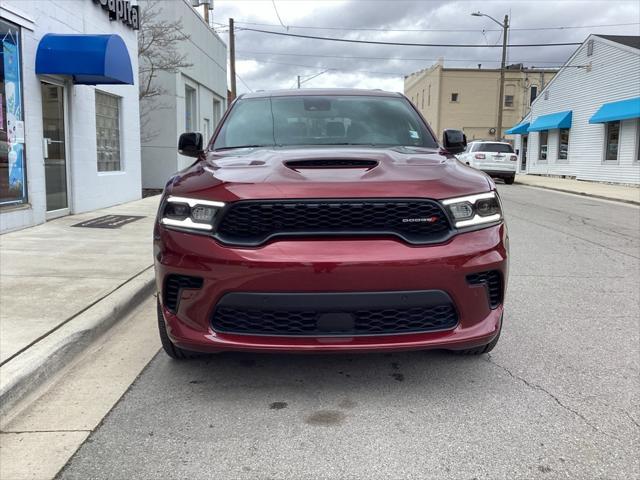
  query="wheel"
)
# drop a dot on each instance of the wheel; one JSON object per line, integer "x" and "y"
{"x": 167, "y": 345}
{"x": 510, "y": 180}
{"x": 482, "y": 348}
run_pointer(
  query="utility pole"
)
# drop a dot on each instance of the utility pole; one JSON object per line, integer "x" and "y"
{"x": 505, "y": 27}
{"x": 298, "y": 81}
{"x": 232, "y": 59}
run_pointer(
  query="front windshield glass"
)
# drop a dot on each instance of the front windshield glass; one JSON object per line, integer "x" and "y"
{"x": 320, "y": 120}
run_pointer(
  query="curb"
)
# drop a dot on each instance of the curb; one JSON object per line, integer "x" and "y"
{"x": 21, "y": 375}
{"x": 582, "y": 194}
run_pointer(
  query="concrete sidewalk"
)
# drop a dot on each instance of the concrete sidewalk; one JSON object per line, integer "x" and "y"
{"x": 62, "y": 285}
{"x": 620, "y": 193}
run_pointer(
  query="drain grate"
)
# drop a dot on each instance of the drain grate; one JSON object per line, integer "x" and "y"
{"x": 108, "y": 221}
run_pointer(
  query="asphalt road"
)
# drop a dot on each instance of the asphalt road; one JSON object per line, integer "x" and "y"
{"x": 558, "y": 398}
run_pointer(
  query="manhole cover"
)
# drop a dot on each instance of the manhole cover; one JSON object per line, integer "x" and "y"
{"x": 109, "y": 221}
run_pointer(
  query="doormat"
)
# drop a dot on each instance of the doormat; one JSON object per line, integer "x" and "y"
{"x": 109, "y": 221}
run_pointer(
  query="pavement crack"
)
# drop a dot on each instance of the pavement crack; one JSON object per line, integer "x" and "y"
{"x": 630, "y": 417}
{"x": 535, "y": 386}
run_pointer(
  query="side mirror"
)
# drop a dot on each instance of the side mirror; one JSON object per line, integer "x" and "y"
{"x": 190, "y": 144}
{"x": 454, "y": 141}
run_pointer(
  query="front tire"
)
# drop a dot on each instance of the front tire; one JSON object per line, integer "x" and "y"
{"x": 168, "y": 346}
{"x": 510, "y": 180}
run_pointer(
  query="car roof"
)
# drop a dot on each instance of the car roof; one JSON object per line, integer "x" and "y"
{"x": 329, "y": 92}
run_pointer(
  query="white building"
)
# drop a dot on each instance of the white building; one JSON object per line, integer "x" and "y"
{"x": 69, "y": 121}
{"x": 194, "y": 98}
{"x": 586, "y": 122}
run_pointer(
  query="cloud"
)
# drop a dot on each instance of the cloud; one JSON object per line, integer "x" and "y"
{"x": 271, "y": 62}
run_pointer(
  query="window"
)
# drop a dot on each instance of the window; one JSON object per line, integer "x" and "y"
{"x": 533, "y": 93}
{"x": 189, "y": 109}
{"x": 429, "y": 97}
{"x": 13, "y": 185}
{"x": 423, "y": 98}
{"x": 612, "y": 139}
{"x": 590, "y": 48}
{"x": 508, "y": 100}
{"x": 108, "y": 132}
{"x": 543, "y": 138}
{"x": 638, "y": 142}
{"x": 206, "y": 124}
{"x": 563, "y": 144}
{"x": 454, "y": 97}
{"x": 494, "y": 147}
{"x": 323, "y": 120}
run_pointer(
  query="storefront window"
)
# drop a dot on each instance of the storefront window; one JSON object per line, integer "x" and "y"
{"x": 13, "y": 185}
{"x": 543, "y": 138}
{"x": 612, "y": 140}
{"x": 108, "y": 132}
{"x": 563, "y": 144}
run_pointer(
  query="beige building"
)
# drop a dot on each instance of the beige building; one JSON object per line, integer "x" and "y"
{"x": 467, "y": 99}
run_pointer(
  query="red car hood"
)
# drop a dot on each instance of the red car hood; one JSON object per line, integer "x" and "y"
{"x": 263, "y": 173}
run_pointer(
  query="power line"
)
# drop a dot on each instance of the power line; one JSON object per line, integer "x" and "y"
{"x": 277, "y": 14}
{"x": 244, "y": 83}
{"x": 453, "y": 30}
{"x": 404, "y": 59}
{"x": 403, "y": 44}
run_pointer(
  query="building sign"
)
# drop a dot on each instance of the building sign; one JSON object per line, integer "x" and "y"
{"x": 122, "y": 10}
{"x": 12, "y": 172}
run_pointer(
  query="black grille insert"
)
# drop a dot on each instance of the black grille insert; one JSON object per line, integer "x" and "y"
{"x": 334, "y": 314}
{"x": 492, "y": 279}
{"x": 173, "y": 285}
{"x": 254, "y": 222}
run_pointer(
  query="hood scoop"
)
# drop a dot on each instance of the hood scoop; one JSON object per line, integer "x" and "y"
{"x": 331, "y": 163}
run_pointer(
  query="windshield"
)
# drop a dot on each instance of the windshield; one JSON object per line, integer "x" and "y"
{"x": 495, "y": 147}
{"x": 318, "y": 120}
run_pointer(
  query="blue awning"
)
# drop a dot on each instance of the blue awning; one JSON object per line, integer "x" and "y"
{"x": 88, "y": 59}
{"x": 551, "y": 121}
{"x": 521, "y": 128}
{"x": 622, "y": 110}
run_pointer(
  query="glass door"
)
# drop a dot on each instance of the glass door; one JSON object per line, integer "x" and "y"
{"x": 525, "y": 141}
{"x": 54, "y": 149}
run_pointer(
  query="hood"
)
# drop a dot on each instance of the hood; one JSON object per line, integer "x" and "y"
{"x": 328, "y": 172}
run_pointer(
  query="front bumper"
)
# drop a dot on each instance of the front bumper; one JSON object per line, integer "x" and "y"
{"x": 324, "y": 266}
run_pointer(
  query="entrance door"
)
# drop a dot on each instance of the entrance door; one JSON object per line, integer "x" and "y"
{"x": 523, "y": 164}
{"x": 54, "y": 149}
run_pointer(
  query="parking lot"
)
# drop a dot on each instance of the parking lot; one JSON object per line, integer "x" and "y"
{"x": 557, "y": 398}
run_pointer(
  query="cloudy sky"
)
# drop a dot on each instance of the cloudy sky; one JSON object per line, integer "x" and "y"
{"x": 271, "y": 61}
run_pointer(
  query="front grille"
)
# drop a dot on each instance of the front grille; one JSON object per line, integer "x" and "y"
{"x": 173, "y": 285}
{"x": 254, "y": 222}
{"x": 310, "y": 322}
{"x": 493, "y": 281}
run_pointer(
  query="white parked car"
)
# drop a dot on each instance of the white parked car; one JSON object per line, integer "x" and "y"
{"x": 496, "y": 159}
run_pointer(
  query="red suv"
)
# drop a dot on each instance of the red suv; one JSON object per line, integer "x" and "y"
{"x": 328, "y": 221}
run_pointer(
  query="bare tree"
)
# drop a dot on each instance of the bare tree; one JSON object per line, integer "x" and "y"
{"x": 158, "y": 51}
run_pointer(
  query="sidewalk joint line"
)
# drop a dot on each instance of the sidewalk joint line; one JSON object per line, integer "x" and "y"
{"x": 3, "y": 432}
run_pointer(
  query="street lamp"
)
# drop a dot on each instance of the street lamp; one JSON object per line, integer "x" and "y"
{"x": 505, "y": 27}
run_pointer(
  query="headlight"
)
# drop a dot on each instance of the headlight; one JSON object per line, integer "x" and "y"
{"x": 189, "y": 213}
{"x": 472, "y": 210}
